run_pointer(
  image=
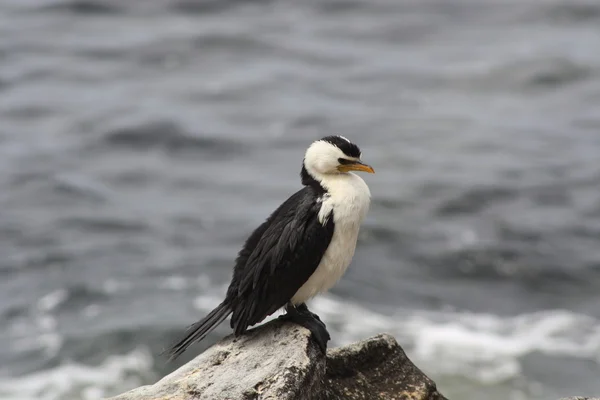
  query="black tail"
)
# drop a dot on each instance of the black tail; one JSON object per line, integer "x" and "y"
{"x": 199, "y": 330}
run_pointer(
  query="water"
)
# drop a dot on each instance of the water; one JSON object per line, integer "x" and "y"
{"x": 141, "y": 141}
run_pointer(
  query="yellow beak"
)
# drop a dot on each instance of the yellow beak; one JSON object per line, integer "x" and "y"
{"x": 356, "y": 166}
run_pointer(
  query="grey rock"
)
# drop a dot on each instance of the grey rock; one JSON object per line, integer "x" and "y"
{"x": 375, "y": 368}
{"x": 279, "y": 361}
{"x": 580, "y": 398}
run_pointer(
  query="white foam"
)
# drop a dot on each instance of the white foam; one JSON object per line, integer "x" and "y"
{"x": 180, "y": 282}
{"x": 70, "y": 380}
{"x": 49, "y": 342}
{"x": 77, "y": 381}
{"x": 484, "y": 347}
{"x": 207, "y": 303}
{"x": 91, "y": 311}
{"x": 176, "y": 282}
{"x": 52, "y": 300}
{"x": 112, "y": 286}
{"x": 38, "y": 331}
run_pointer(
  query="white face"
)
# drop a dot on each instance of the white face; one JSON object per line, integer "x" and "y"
{"x": 322, "y": 158}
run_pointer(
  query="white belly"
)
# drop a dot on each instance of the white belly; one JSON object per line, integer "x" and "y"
{"x": 349, "y": 199}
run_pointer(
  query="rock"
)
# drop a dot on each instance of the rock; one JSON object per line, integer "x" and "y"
{"x": 279, "y": 361}
{"x": 580, "y": 398}
{"x": 375, "y": 368}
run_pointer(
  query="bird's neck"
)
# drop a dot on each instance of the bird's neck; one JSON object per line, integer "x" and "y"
{"x": 309, "y": 180}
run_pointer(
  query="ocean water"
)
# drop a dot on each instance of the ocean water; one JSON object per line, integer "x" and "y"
{"x": 142, "y": 141}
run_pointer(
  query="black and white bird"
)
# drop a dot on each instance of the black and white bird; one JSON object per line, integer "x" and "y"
{"x": 301, "y": 250}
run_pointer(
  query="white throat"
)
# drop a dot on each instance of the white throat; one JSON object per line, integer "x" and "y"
{"x": 347, "y": 200}
{"x": 348, "y": 196}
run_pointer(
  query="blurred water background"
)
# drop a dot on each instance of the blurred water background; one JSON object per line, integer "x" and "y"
{"x": 141, "y": 142}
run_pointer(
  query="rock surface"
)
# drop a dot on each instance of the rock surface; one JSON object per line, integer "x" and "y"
{"x": 580, "y": 398}
{"x": 279, "y": 361}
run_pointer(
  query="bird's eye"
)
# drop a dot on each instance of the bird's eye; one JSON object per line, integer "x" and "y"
{"x": 344, "y": 161}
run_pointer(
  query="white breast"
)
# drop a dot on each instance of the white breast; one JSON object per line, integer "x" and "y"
{"x": 349, "y": 198}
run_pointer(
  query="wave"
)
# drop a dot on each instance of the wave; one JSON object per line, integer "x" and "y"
{"x": 81, "y": 7}
{"x": 211, "y": 6}
{"x": 168, "y": 136}
{"x": 82, "y": 382}
{"x": 485, "y": 349}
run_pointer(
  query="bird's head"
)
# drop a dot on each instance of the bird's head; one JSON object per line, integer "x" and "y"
{"x": 333, "y": 155}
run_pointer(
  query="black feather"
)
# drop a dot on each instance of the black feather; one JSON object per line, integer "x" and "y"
{"x": 200, "y": 329}
{"x": 348, "y": 148}
{"x": 278, "y": 259}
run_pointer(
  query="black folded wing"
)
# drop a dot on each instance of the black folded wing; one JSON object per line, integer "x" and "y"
{"x": 278, "y": 258}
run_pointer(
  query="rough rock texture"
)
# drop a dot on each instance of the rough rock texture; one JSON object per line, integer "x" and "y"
{"x": 376, "y": 368}
{"x": 580, "y": 398}
{"x": 279, "y": 361}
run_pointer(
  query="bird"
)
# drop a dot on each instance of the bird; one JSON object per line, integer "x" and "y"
{"x": 301, "y": 250}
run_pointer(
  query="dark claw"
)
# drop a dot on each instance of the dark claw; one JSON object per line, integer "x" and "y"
{"x": 319, "y": 333}
{"x": 301, "y": 308}
{"x": 303, "y": 317}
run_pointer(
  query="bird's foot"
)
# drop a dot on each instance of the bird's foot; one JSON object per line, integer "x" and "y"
{"x": 311, "y": 321}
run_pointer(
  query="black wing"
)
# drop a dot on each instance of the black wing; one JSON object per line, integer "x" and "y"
{"x": 278, "y": 258}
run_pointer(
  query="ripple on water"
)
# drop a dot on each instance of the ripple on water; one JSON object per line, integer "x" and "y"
{"x": 82, "y": 7}
{"x": 73, "y": 297}
{"x": 527, "y": 74}
{"x": 168, "y": 136}
{"x": 445, "y": 96}
{"x": 572, "y": 11}
{"x": 476, "y": 199}
{"x": 520, "y": 263}
{"x": 210, "y": 6}
{"x": 78, "y": 381}
{"x": 105, "y": 224}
